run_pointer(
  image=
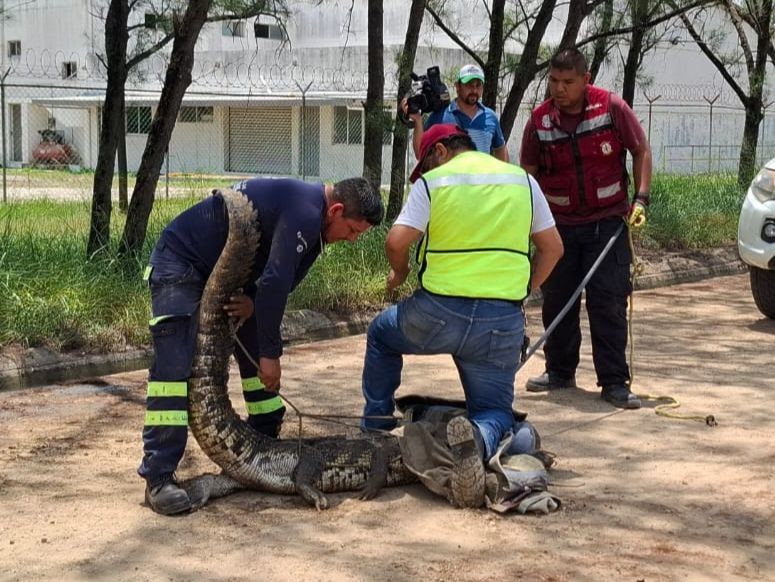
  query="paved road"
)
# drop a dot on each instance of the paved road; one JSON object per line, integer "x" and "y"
{"x": 644, "y": 497}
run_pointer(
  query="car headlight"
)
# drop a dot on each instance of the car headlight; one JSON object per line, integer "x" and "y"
{"x": 768, "y": 231}
{"x": 763, "y": 185}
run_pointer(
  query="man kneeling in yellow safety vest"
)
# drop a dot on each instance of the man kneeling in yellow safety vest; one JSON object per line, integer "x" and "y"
{"x": 476, "y": 216}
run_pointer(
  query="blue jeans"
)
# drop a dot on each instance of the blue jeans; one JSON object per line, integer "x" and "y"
{"x": 484, "y": 338}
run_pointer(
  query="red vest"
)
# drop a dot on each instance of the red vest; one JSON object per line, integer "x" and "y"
{"x": 586, "y": 168}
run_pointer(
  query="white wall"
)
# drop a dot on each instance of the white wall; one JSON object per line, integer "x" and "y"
{"x": 196, "y": 147}
{"x": 52, "y": 30}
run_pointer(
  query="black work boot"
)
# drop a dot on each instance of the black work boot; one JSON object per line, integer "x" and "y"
{"x": 166, "y": 497}
{"x": 620, "y": 396}
{"x": 549, "y": 381}
{"x": 467, "y": 479}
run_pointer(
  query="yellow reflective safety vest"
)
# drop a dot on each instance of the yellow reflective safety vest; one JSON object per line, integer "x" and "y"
{"x": 477, "y": 242}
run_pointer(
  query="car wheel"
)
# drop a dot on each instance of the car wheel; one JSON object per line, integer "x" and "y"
{"x": 763, "y": 288}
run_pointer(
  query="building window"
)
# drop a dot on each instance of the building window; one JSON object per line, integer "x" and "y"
{"x": 69, "y": 70}
{"x": 233, "y": 28}
{"x": 271, "y": 31}
{"x": 196, "y": 115}
{"x": 14, "y": 48}
{"x": 348, "y": 125}
{"x": 138, "y": 119}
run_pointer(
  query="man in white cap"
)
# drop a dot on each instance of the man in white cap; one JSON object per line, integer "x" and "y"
{"x": 467, "y": 112}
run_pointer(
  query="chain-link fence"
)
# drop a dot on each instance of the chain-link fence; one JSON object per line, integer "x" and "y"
{"x": 241, "y": 120}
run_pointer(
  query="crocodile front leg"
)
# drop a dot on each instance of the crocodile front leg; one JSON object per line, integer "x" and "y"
{"x": 377, "y": 475}
{"x": 308, "y": 472}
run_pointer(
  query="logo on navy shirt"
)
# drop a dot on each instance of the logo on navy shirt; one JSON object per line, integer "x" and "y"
{"x": 302, "y": 246}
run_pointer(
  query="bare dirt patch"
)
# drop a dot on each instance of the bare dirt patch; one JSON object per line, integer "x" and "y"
{"x": 644, "y": 497}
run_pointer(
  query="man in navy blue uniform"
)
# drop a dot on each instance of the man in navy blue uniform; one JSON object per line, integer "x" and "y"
{"x": 296, "y": 221}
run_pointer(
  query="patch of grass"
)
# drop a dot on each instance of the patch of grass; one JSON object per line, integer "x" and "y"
{"x": 692, "y": 212}
{"x": 347, "y": 277}
{"x": 51, "y": 295}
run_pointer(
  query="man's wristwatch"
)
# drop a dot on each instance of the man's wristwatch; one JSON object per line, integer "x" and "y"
{"x": 643, "y": 197}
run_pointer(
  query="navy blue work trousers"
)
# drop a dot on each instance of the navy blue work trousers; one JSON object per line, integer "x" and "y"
{"x": 176, "y": 290}
{"x": 606, "y": 297}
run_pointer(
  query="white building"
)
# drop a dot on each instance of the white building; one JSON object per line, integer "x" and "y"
{"x": 262, "y": 106}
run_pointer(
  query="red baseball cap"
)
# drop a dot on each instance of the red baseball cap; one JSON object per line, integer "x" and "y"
{"x": 430, "y": 138}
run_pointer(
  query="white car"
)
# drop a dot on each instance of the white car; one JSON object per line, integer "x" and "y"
{"x": 756, "y": 237}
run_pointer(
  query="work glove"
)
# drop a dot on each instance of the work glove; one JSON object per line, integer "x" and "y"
{"x": 637, "y": 217}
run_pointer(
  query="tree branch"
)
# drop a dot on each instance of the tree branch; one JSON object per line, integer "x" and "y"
{"x": 720, "y": 66}
{"x": 628, "y": 29}
{"x": 139, "y": 57}
{"x": 455, "y": 38}
{"x": 247, "y": 13}
{"x": 737, "y": 22}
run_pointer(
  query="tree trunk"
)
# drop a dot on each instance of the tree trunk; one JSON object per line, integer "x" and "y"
{"x": 116, "y": 38}
{"x": 754, "y": 106}
{"x": 527, "y": 68}
{"x": 123, "y": 195}
{"x": 492, "y": 67}
{"x": 578, "y": 10}
{"x": 639, "y": 15}
{"x": 176, "y": 81}
{"x": 400, "y": 131}
{"x": 631, "y": 66}
{"x": 747, "y": 165}
{"x": 601, "y": 44}
{"x": 375, "y": 120}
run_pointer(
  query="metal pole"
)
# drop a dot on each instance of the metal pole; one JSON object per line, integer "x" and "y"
{"x": 534, "y": 348}
{"x": 302, "y": 148}
{"x": 167, "y": 173}
{"x": 651, "y": 103}
{"x": 710, "y": 128}
{"x": 5, "y": 155}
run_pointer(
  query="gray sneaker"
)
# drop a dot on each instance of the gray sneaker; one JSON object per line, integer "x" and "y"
{"x": 620, "y": 396}
{"x": 549, "y": 381}
{"x": 467, "y": 481}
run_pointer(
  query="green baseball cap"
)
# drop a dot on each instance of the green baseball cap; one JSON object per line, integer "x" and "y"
{"x": 469, "y": 73}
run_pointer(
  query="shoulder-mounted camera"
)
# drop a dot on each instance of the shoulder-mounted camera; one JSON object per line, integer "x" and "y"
{"x": 427, "y": 93}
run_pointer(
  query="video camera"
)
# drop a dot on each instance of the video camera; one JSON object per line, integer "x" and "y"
{"x": 427, "y": 93}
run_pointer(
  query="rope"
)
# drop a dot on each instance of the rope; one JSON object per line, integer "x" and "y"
{"x": 332, "y": 418}
{"x": 670, "y": 401}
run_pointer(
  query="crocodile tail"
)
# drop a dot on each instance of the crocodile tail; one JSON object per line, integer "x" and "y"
{"x": 220, "y": 432}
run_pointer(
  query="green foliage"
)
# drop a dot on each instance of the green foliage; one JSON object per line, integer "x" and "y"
{"x": 692, "y": 211}
{"x": 349, "y": 276}
{"x": 50, "y": 295}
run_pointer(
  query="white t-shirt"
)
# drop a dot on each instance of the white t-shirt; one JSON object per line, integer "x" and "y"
{"x": 417, "y": 210}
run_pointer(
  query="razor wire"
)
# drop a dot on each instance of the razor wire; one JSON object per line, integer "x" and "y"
{"x": 246, "y": 117}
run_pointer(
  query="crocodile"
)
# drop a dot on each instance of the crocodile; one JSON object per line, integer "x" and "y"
{"x": 249, "y": 460}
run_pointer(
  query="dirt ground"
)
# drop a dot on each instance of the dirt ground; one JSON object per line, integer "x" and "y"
{"x": 644, "y": 497}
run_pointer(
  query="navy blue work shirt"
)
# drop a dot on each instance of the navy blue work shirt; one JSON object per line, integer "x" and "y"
{"x": 291, "y": 218}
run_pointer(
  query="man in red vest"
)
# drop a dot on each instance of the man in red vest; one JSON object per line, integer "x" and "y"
{"x": 575, "y": 144}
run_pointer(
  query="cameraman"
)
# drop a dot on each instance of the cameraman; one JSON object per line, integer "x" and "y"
{"x": 467, "y": 112}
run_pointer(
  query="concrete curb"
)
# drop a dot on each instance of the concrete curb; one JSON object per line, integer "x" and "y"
{"x": 40, "y": 366}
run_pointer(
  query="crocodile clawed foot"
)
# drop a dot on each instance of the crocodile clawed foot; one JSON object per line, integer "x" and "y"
{"x": 313, "y": 496}
{"x": 369, "y": 492}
